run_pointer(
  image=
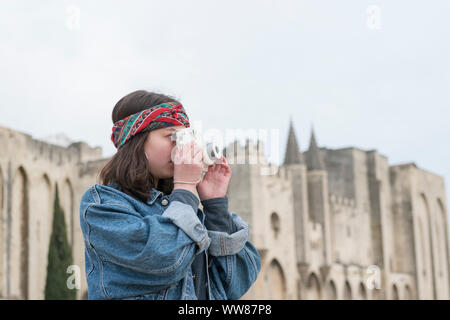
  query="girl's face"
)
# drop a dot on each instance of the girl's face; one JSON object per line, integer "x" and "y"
{"x": 158, "y": 147}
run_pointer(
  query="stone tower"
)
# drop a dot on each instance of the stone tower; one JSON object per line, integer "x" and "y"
{"x": 362, "y": 229}
{"x": 327, "y": 223}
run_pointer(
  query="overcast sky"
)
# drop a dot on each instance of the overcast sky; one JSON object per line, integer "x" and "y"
{"x": 368, "y": 74}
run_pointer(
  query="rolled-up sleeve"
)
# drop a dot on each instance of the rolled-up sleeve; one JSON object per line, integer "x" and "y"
{"x": 228, "y": 232}
{"x": 234, "y": 261}
{"x": 233, "y": 275}
{"x": 217, "y": 216}
{"x": 182, "y": 212}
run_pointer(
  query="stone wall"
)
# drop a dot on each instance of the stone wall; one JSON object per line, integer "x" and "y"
{"x": 29, "y": 170}
{"x": 358, "y": 229}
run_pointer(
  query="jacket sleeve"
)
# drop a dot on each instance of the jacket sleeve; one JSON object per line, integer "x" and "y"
{"x": 235, "y": 262}
{"x": 162, "y": 246}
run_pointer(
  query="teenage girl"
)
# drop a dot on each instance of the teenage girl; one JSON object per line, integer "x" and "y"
{"x": 144, "y": 233}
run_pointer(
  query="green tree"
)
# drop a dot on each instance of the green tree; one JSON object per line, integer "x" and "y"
{"x": 59, "y": 258}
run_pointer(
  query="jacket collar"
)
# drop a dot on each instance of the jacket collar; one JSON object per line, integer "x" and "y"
{"x": 152, "y": 198}
{"x": 155, "y": 194}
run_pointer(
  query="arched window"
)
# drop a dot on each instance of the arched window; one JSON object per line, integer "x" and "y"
{"x": 395, "y": 295}
{"x": 426, "y": 274}
{"x": 347, "y": 291}
{"x": 43, "y": 217}
{"x": 313, "y": 288}
{"x": 275, "y": 223}
{"x": 441, "y": 236}
{"x": 423, "y": 249}
{"x": 408, "y": 293}
{"x": 67, "y": 203}
{"x": 362, "y": 292}
{"x": 276, "y": 281}
{"x": 331, "y": 291}
{"x": 19, "y": 250}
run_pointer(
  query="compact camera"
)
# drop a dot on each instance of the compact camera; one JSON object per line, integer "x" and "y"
{"x": 211, "y": 150}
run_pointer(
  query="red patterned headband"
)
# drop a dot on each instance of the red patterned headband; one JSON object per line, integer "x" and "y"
{"x": 163, "y": 115}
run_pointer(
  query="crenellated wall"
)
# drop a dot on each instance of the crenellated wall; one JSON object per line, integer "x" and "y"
{"x": 356, "y": 229}
{"x": 30, "y": 169}
{"x": 368, "y": 208}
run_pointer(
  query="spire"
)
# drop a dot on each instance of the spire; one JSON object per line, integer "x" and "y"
{"x": 314, "y": 159}
{"x": 292, "y": 155}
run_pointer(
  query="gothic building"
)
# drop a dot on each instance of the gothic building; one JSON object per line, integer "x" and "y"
{"x": 328, "y": 223}
{"x": 342, "y": 224}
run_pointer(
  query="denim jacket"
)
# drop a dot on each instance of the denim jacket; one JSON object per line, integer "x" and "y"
{"x": 137, "y": 250}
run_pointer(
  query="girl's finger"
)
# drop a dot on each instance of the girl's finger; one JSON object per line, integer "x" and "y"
{"x": 198, "y": 156}
{"x": 227, "y": 169}
{"x": 195, "y": 146}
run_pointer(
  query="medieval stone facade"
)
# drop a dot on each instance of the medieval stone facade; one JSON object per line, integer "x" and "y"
{"x": 343, "y": 224}
{"x": 328, "y": 223}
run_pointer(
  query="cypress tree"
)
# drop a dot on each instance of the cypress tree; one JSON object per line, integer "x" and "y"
{"x": 59, "y": 258}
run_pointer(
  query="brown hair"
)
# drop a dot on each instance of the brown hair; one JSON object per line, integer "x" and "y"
{"x": 129, "y": 166}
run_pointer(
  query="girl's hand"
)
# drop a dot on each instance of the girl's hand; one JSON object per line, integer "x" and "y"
{"x": 215, "y": 182}
{"x": 188, "y": 165}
